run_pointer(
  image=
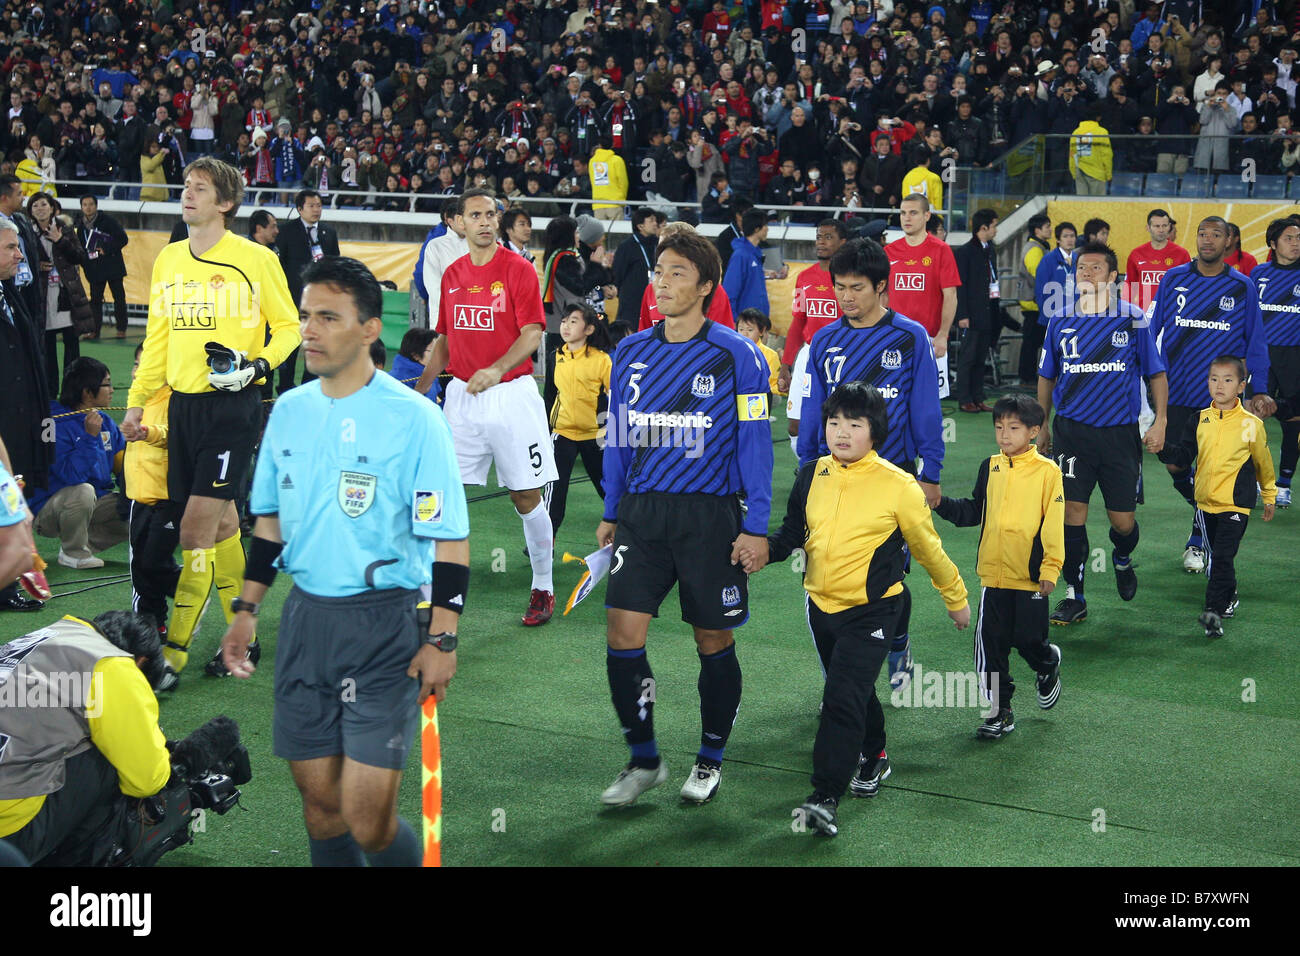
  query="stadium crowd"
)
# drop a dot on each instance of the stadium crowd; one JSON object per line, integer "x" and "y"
{"x": 817, "y": 104}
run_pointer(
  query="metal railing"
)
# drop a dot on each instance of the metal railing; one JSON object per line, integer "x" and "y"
{"x": 1155, "y": 165}
{"x": 365, "y": 200}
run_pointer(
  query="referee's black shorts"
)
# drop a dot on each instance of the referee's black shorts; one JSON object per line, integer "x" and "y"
{"x": 665, "y": 539}
{"x": 1178, "y": 418}
{"x": 210, "y": 441}
{"x": 1284, "y": 371}
{"x": 1107, "y": 457}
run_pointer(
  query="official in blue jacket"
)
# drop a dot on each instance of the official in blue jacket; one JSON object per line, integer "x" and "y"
{"x": 80, "y": 507}
{"x": 1054, "y": 280}
{"x": 745, "y": 281}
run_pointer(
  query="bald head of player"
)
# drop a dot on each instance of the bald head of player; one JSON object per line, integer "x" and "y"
{"x": 687, "y": 272}
{"x": 1211, "y": 240}
{"x": 339, "y": 317}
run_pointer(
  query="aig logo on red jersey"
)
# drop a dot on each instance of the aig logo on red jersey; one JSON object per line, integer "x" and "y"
{"x": 1152, "y": 278}
{"x": 909, "y": 282}
{"x": 822, "y": 308}
{"x": 473, "y": 318}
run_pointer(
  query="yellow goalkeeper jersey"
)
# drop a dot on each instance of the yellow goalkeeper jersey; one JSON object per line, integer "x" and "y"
{"x": 231, "y": 294}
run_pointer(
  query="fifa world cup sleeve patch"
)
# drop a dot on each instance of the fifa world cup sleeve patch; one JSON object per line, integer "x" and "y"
{"x": 752, "y": 408}
{"x": 11, "y": 499}
{"x": 428, "y": 507}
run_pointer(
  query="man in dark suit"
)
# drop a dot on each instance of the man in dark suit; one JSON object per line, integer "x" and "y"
{"x": 979, "y": 310}
{"x": 300, "y": 244}
{"x": 24, "y": 401}
{"x": 103, "y": 238}
{"x": 29, "y": 288}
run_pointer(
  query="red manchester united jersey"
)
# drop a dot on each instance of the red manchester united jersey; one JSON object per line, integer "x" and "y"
{"x": 1147, "y": 266}
{"x": 719, "y": 309}
{"x": 917, "y": 277}
{"x": 813, "y": 307}
{"x": 483, "y": 310}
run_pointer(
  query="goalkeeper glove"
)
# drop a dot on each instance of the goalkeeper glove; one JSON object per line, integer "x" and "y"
{"x": 231, "y": 370}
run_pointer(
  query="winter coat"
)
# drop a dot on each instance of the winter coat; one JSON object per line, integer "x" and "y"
{"x": 69, "y": 256}
{"x": 744, "y": 281}
{"x": 1212, "y": 144}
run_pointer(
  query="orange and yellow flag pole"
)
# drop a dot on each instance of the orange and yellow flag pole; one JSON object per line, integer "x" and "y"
{"x": 431, "y": 782}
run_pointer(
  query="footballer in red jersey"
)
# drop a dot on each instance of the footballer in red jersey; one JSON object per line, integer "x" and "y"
{"x": 923, "y": 277}
{"x": 1148, "y": 263}
{"x": 812, "y": 308}
{"x": 490, "y": 322}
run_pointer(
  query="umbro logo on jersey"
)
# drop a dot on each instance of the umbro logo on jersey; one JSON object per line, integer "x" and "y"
{"x": 638, "y": 365}
{"x": 736, "y": 612}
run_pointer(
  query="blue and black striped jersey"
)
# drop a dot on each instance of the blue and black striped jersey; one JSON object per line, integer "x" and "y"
{"x": 1196, "y": 318}
{"x": 1098, "y": 362}
{"x": 895, "y": 356}
{"x": 690, "y": 418}
{"x": 1279, "y": 301}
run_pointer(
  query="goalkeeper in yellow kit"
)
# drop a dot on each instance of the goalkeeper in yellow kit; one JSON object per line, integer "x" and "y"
{"x": 212, "y": 299}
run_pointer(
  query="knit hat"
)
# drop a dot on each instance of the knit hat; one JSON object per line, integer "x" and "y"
{"x": 590, "y": 231}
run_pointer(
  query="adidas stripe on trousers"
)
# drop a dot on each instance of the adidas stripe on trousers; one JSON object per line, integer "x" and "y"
{"x": 1222, "y": 534}
{"x": 1010, "y": 619}
{"x": 853, "y": 646}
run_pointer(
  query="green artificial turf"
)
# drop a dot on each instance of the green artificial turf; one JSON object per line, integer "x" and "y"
{"x": 1151, "y": 736}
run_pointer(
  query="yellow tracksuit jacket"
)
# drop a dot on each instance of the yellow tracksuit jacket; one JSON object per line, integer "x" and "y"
{"x": 1020, "y": 503}
{"x": 1231, "y": 452}
{"x": 852, "y": 521}
{"x": 146, "y": 461}
{"x": 580, "y": 391}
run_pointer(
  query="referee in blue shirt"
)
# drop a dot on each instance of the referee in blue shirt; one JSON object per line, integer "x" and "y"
{"x": 359, "y": 497}
{"x": 687, "y": 438}
{"x": 872, "y": 343}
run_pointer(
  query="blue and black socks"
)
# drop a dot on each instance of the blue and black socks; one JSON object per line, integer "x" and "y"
{"x": 632, "y": 688}
{"x": 1076, "y": 554}
{"x": 720, "y": 687}
{"x": 1125, "y": 545}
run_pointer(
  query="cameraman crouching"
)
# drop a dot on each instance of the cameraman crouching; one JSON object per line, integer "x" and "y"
{"x": 78, "y": 727}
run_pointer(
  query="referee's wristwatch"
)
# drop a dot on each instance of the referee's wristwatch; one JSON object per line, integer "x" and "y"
{"x": 445, "y": 642}
{"x": 238, "y": 604}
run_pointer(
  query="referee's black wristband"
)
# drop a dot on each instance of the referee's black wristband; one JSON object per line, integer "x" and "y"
{"x": 450, "y": 586}
{"x": 260, "y": 566}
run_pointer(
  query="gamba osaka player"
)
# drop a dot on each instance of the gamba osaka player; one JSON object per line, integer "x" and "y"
{"x": 490, "y": 323}
{"x": 1096, "y": 354}
{"x": 687, "y": 439}
{"x": 872, "y": 343}
{"x": 212, "y": 299}
{"x": 1278, "y": 282}
{"x": 1203, "y": 310}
